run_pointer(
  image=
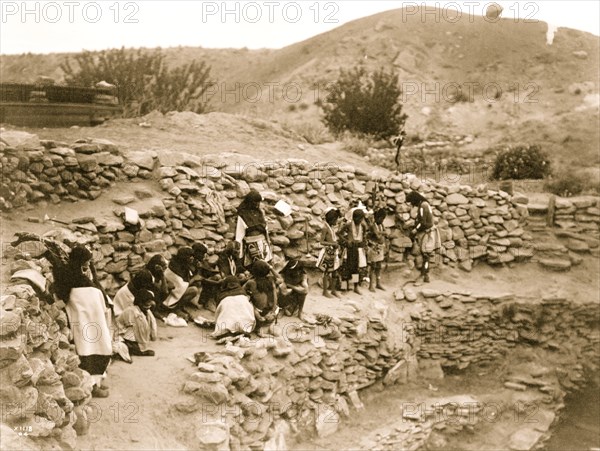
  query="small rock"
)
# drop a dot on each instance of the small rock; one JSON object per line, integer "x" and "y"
{"x": 410, "y": 295}
{"x": 515, "y": 386}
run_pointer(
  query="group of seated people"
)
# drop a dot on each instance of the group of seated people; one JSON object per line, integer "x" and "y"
{"x": 193, "y": 279}
{"x": 246, "y": 299}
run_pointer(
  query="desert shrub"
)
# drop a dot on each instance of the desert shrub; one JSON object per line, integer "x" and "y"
{"x": 143, "y": 80}
{"x": 566, "y": 183}
{"x": 363, "y": 103}
{"x": 357, "y": 144}
{"x": 292, "y": 107}
{"x": 521, "y": 162}
{"x": 313, "y": 132}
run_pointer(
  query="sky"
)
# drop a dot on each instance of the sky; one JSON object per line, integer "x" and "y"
{"x": 73, "y": 26}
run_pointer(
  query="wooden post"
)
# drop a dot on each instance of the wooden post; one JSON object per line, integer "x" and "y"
{"x": 550, "y": 214}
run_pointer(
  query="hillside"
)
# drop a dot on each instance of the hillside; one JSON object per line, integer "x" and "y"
{"x": 532, "y": 91}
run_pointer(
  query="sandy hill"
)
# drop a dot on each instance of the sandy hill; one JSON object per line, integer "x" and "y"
{"x": 547, "y": 93}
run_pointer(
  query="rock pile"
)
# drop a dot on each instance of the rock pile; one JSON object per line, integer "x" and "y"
{"x": 308, "y": 377}
{"x": 44, "y": 394}
{"x": 419, "y": 420}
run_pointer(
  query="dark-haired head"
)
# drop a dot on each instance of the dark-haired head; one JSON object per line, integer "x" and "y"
{"x": 251, "y": 201}
{"x": 79, "y": 256}
{"x": 260, "y": 269}
{"x": 358, "y": 215}
{"x": 156, "y": 264}
{"x": 380, "y": 215}
{"x": 144, "y": 299}
{"x": 332, "y": 216}
{"x": 292, "y": 266}
{"x": 232, "y": 248}
{"x": 184, "y": 253}
{"x": 414, "y": 198}
{"x": 200, "y": 251}
{"x": 142, "y": 280}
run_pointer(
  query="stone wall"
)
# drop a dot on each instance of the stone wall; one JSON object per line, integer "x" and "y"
{"x": 461, "y": 328}
{"x": 313, "y": 371}
{"x": 578, "y": 214}
{"x": 34, "y": 171}
{"x": 201, "y": 195}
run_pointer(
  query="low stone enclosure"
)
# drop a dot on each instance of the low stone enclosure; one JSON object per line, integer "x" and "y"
{"x": 476, "y": 224}
{"x": 317, "y": 370}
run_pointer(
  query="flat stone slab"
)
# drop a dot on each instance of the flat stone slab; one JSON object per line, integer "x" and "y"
{"x": 524, "y": 439}
{"x": 555, "y": 264}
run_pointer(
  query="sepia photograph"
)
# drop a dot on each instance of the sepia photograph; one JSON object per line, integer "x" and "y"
{"x": 303, "y": 225}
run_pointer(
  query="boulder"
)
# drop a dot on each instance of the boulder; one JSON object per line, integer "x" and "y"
{"x": 456, "y": 199}
{"x": 142, "y": 159}
{"x": 213, "y": 435}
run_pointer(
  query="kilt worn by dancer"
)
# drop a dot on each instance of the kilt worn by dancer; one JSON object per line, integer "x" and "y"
{"x": 251, "y": 231}
{"x": 353, "y": 237}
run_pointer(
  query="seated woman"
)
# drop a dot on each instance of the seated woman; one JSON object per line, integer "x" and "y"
{"x": 262, "y": 289}
{"x": 124, "y": 298}
{"x": 87, "y": 310}
{"x": 157, "y": 266}
{"x": 208, "y": 275}
{"x": 228, "y": 263}
{"x": 294, "y": 289}
{"x": 137, "y": 324}
{"x": 235, "y": 314}
{"x": 182, "y": 282}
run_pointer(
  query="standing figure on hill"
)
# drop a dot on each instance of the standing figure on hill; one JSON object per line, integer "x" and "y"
{"x": 294, "y": 288}
{"x": 329, "y": 257}
{"x": 353, "y": 237}
{"x": 87, "y": 310}
{"x": 376, "y": 242}
{"x": 398, "y": 141}
{"x": 137, "y": 324}
{"x": 425, "y": 236}
{"x": 251, "y": 231}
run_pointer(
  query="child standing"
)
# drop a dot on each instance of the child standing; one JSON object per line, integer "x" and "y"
{"x": 329, "y": 257}
{"x": 376, "y": 249}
